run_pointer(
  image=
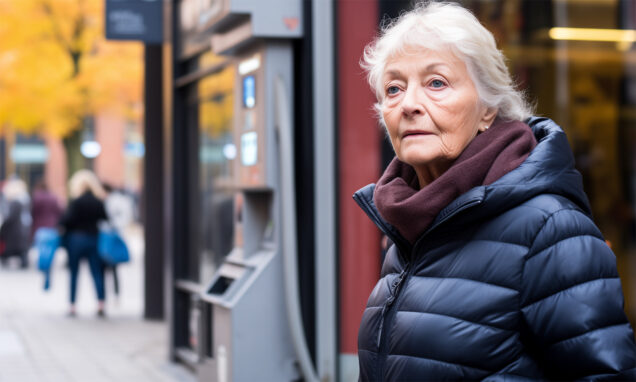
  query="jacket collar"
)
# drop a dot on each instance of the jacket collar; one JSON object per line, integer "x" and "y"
{"x": 364, "y": 198}
{"x": 549, "y": 169}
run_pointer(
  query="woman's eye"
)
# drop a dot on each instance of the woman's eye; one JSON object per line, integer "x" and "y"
{"x": 437, "y": 83}
{"x": 391, "y": 90}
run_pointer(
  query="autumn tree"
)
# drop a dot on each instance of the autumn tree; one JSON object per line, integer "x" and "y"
{"x": 57, "y": 70}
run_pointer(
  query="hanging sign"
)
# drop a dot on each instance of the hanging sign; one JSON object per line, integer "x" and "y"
{"x": 137, "y": 20}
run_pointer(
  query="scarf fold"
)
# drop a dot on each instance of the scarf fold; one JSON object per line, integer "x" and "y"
{"x": 488, "y": 157}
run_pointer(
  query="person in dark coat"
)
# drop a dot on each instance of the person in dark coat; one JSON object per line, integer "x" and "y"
{"x": 497, "y": 271}
{"x": 45, "y": 208}
{"x": 15, "y": 227}
{"x": 80, "y": 225}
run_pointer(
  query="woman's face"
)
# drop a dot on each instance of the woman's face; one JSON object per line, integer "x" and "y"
{"x": 431, "y": 110}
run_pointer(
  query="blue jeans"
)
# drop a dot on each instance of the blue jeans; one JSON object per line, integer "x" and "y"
{"x": 84, "y": 246}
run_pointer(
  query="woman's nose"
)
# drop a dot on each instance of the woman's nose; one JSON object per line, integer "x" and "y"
{"x": 411, "y": 104}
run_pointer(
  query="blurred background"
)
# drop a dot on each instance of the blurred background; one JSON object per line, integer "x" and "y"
{"x": 234, "y": 134}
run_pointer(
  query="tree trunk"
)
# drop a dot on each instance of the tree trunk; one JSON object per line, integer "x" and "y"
{"x": 72, "y": 142}
{"x": 74, "y": 159}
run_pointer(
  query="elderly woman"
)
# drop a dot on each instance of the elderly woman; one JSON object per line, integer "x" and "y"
{"x": 80, "y": 224}
{"x": 497, "y": 271}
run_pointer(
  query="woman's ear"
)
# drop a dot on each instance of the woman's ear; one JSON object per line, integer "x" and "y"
{"x": 489, "y": 116}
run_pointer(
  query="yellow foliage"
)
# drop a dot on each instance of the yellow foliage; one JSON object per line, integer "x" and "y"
{"x": 56, "y": 66}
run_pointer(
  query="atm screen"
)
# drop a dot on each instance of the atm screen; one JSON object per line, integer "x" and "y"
{"x": 249, "y": 92}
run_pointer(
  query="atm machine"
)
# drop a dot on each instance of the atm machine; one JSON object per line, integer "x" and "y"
{"x": 250, "y": 326}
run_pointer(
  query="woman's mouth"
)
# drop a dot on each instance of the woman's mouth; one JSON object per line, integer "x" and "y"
{"x": 415, "y": 133}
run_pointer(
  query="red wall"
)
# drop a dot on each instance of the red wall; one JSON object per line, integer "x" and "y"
{"x": 110, "y": 133}
{"x": 55, "y": 168}
{"x": 359, "y": 164}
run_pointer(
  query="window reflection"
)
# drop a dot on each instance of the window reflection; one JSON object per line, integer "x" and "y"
{"x": 584, "y": 86}
{"x": 587, "y": 87}
{"x": 216, "y": 154}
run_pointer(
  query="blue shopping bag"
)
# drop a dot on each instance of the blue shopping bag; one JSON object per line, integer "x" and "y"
{"x": 46, "y": 240}
{"x": 111, "y": 247}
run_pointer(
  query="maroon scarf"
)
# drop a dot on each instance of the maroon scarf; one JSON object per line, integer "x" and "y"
{"x": 488, "y": 157}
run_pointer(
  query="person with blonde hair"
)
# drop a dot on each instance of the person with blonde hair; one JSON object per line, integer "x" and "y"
{"x": 80, "y": 225}
{"x": 497, "y": 271}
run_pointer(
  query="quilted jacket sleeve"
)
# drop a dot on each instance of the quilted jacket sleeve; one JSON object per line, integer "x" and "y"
{"x": 572, "y": 302}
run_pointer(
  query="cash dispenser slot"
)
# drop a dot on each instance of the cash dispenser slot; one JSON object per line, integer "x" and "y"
{"x": 225, "y": 283}
{"x": 221, "y": 285}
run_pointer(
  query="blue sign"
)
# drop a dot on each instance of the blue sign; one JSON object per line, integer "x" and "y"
{"x": 137, "y": 20}
{"x": 249, "y": 92}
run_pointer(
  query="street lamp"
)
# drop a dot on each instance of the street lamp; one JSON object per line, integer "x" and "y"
{"x": 90, "y": 149}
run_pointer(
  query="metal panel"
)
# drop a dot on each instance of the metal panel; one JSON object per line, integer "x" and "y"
{"x": 324, "y": 189}
{"x": 251, "y": 333}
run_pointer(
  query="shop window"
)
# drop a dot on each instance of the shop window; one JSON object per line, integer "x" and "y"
{"x": 216, "y": 153}
{"x": 584, "y": 86}
{"x": 588, "y": 88}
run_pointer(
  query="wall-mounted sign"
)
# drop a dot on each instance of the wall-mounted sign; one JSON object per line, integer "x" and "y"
{"x": 138, "y": 20}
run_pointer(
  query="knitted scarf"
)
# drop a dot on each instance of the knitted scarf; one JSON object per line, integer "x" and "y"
{"x": 488, "y": 157}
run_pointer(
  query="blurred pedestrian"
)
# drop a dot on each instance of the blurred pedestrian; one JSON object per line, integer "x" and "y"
{"x": 80, "y": 225}
{"x": 15, "y": 229}
{"x": 45, "y": 208}
{"x": 120, "y": 208}
{"x": 4, "y": 207}
{"x": 4, "y": 212}
{"x": 120, "y": 212}
{"x": 498, "y": 271}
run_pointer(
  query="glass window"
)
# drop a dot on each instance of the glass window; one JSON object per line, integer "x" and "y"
{"x": 588, "y": 88}
{"x": 585, "y": 87}
{"x": 216, "y": 153}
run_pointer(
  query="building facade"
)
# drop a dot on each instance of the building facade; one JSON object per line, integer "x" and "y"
{"x": 211, "y": 105}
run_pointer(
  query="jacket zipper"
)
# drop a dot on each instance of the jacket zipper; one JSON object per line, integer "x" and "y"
{"x": 389, "y": 302}
{"x": 388, "y": 310}
{"x": 388, "y": 314}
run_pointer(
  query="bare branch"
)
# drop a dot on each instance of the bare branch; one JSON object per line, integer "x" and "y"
{"x": 48, "y": 10}
{"x": 72, "y": 47}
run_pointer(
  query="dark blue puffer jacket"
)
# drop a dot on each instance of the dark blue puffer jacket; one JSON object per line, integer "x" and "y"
{"x": 512, "y": 281}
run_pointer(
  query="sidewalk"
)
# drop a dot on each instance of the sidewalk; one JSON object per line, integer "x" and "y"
{"x": 38, "y": 342}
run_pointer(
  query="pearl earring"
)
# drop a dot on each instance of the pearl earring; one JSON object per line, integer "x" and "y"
{"x": 485, "y": 128}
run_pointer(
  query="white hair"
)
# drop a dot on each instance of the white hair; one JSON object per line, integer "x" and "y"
{"x": 16, "y": 189}
{"x": 438, "y": 26}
